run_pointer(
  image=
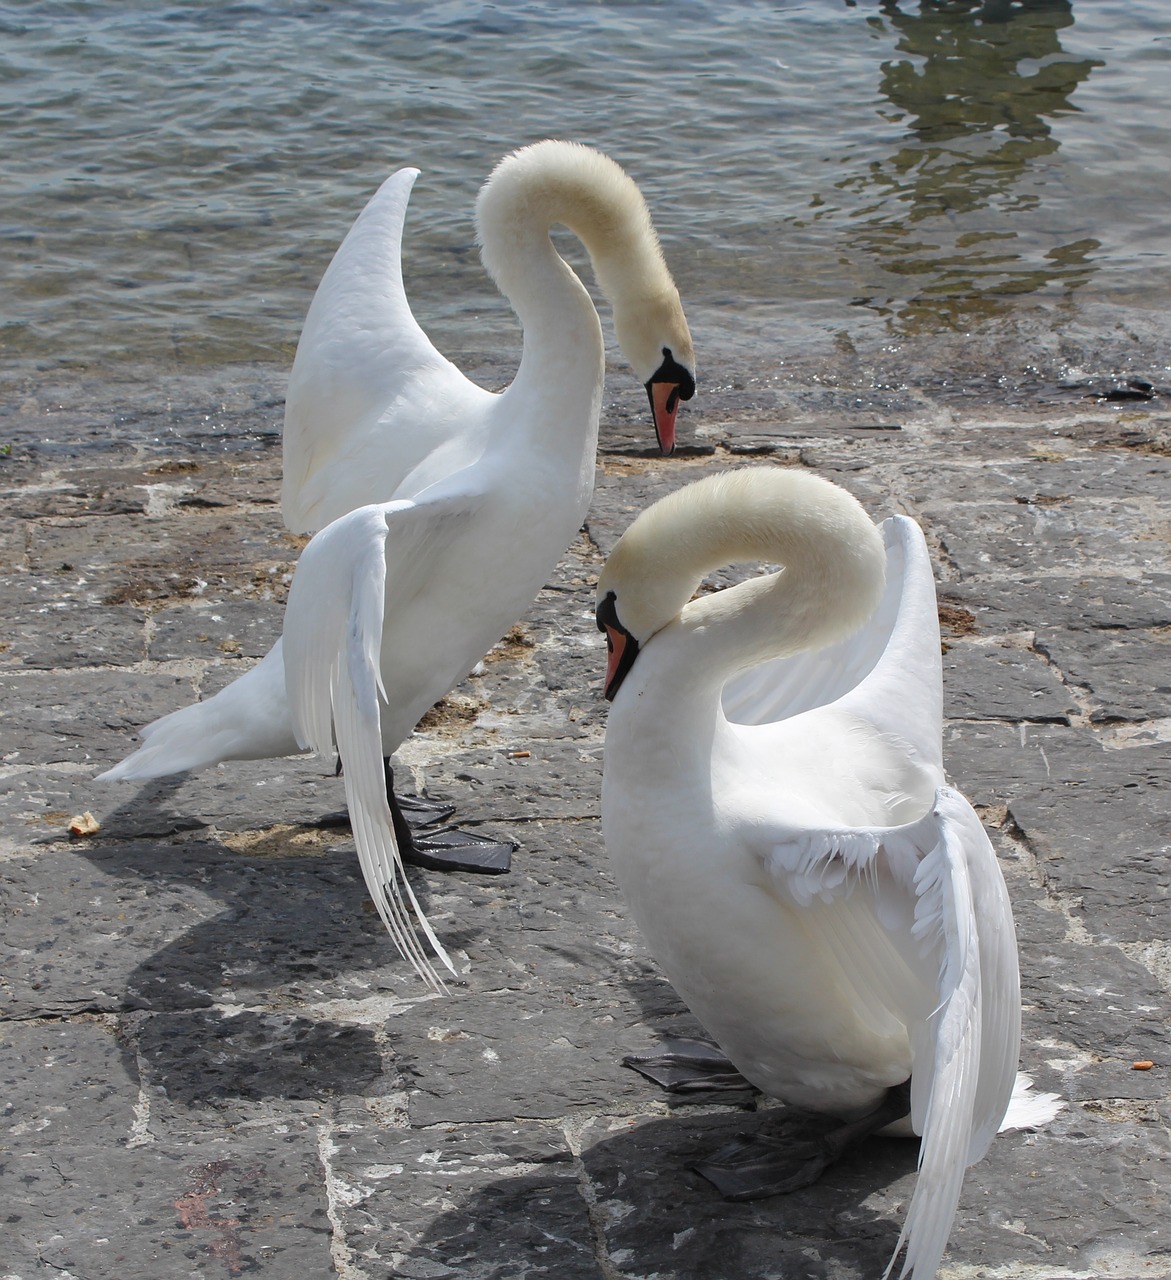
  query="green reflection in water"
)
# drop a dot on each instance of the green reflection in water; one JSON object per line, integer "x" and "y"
{"x": 960, "y": 204}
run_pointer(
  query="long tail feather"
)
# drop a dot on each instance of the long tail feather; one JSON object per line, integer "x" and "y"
{"x": 333, "y": 639}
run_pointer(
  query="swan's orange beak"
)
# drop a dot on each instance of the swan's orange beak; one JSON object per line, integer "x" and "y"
{"x": 615, "y": 645}
{"x": 621, "y": 646}
{"x": 664, "y": 406}
{"x": 623, "y": 649}
{"x": 670, "y": 383}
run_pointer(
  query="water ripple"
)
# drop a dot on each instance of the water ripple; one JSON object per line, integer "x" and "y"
{"x": 176, "y": 177}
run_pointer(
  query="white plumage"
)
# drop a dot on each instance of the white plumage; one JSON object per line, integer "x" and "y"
{"x": 776, "y": 810}
{"x": 442, "y": 507}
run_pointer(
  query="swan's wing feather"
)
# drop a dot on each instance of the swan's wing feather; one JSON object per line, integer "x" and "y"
{"x": 888, "y": 673}
{"x": 972, "y": 1040}
{"x": 333, "y": 644}
{"x": 360, "y": 347}
{"x": 246, "y": 720}
{"x": 902, "y": 694}
{"x": 1000, "y": 1004}
{"x": 927, "y": 899}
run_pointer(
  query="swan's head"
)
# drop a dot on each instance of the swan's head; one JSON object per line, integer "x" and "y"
{"x": 653, "y": 334}
{"x": 649, "y": 321}
{"x": 655, "y": 568}
{"x": 564, "y": 182}
{"x": 816, "y": 530}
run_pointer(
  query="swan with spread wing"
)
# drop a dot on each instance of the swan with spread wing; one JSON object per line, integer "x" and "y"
{"x": 776, "y": 810}
{"x": 441, "y": 507}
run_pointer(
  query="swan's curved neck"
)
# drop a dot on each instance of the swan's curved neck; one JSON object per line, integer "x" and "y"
{"x": 556, "y": 184}
{"x": 563, "y": 344}
{"x": 771, "y": 616}
{"x": 832, "y": 575}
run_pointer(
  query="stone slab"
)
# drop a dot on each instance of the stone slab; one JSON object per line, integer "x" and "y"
{"x": 1057, "y": 785}
{"x": 236, "y": 628}
{"x": 1126, "y": 674}
{"x": 126, "y": 925}
{"x": 57, "y": 622}
{"x": 998, "y": 681}
{"x": 217, "y": 1063}
{"x": 486, "y": 1058}
{"x": 64, "y": 715}
{"x": 89, "y": 1189}
{"x": 493, "y": 1201}
{"x": 1055, "y": 604}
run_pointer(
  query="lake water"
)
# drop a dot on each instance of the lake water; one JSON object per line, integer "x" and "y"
{"x": 176, "y": 176}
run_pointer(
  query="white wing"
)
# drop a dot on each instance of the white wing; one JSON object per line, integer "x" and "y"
{"x": 332, "y": 649}
{"x": 247, "y": 720}
{"x": 888, "y": 673}
{"x": 361, "y": 352}
{"x": 926, "y": 932}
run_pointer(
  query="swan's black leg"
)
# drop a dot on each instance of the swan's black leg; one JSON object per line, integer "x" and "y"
{"x": 420, "y": 812}
{"x": 446, "y": 850}
{"x": 796, "y": 1154}
{"x": 791, "y": 1155}
{"x": 683, "y": 1065}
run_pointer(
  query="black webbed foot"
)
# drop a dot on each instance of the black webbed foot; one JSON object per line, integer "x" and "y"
{"x": 796, "y": 1154}
{"x": 449, "y": 849}
{"x": 792, "y": 1154}
{"x": 422, "y": 812}
{"x": 684, "y": 1065}
{"x": 751, "y": 1167}
{"x": 455, "y": 850}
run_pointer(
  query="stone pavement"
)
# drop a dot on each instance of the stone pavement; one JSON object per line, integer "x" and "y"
{"x": 214, "y": 1064}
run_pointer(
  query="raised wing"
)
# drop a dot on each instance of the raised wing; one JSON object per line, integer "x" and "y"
{"x": 888, "y": 673}
{"x": 332, "y": 648}
{"x": 921, "y": 915}
{"x": 360, "y": 350}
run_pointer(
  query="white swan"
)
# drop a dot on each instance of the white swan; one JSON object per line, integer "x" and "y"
{"x": 444, "y": 506}
{"x": 373, "y": 408}
{"x": 775, "y": 807}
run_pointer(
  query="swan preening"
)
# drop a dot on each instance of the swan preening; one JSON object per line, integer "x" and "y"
{"x": 775, "y": 807}
{"x": 441, "y": 507}
{"x": 375, "y": 412}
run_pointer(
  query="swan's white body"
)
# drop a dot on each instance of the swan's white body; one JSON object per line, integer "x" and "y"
{"x": 775, "y": 806}
{"x": 442, "y": 507}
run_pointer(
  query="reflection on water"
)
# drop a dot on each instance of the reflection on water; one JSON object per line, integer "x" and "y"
{"x": 977, "y": 90}
{"x": 172, "y": 191}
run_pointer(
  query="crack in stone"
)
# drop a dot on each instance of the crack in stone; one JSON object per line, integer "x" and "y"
{"x": 1080, "y": 693}
{"x": 1062, "y": 904}
{"x": 338, "y": 1196}
{"x": 949, "y": 570}
{"x": 572, "y": 1127}
{"x": 61, "y": 1271}
{"x": 49, "y": 1017}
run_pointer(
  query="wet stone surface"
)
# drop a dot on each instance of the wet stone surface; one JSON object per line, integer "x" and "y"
{"x": 214, "y": 1063}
